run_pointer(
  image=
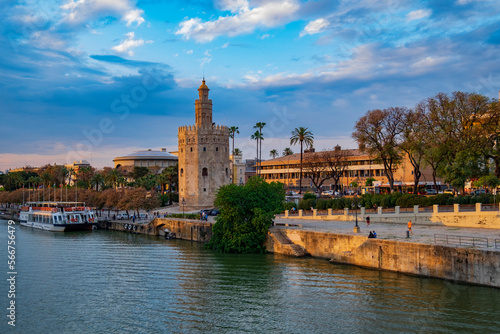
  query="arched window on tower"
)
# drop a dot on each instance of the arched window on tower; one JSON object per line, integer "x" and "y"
{"x": 204, "y": 171}
{"x": 191, "y": 149}
{"x": 227, "y": 172}
{"x": 182, "y": 172}
{"x": 204, "y": 149}
{"x": 216, "y": 149}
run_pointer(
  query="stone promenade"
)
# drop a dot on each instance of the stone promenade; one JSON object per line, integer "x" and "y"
{"x": 397, "y": 231}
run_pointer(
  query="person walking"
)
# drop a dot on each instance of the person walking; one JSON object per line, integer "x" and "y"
{"x": 409, "y": 227}
{"x": 367, "y": 221}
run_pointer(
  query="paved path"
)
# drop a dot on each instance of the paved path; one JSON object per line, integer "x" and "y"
{"x": 388, "y": 231}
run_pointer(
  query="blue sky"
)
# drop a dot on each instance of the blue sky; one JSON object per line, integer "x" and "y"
{"x": 96, "y": 79}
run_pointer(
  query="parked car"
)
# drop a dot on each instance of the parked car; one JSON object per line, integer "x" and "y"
{"x": 121, "y": 216}
{"x": 480, "y": 192}
{"x": 449, "y": 191}
{"x": 214, "y": 212}
{"x": 327, "y": 193}
{"x": 431, "y": 192}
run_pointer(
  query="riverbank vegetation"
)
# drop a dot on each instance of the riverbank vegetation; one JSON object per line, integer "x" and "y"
{"x": 111, "y": 188}
{"x": 246, "y": 213}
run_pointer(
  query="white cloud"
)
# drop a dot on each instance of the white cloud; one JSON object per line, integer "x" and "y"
{"x": 189, "y": 52}
{"x": 79, "y": 11}
{"x": 244, "y": 20}
{"x": 225, "y": 45}
{"x": 315, "y": 27}
{"x": 418, "y": 14}
{"x": 232, "y": 5}
{"x": 129, "y": 43}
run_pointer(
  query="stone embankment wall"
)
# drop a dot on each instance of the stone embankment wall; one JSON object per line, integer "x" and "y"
{"x": 456, "y": 218}
{"x": 183, "y": 228}
{"x": 452, "y": 263}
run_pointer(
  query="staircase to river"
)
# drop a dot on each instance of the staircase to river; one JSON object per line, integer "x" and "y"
{"x": 283, "y": 245}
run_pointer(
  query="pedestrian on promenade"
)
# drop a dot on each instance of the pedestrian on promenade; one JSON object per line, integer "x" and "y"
{"x": 409, "y": 227}
{"x": 367, "y": 221}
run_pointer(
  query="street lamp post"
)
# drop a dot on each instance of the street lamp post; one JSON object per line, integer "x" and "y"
{"x": 355, "y": 206}
{"x": 183, "y": 204}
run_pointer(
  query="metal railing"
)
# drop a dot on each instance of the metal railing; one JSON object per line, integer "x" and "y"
{"x": 461, "y": 240}
{"x": 497, "y": 243}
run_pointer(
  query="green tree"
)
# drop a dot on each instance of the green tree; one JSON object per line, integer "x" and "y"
{"x": 97, "y": 181}
{"x": 301, "y": 135}
{"x": 246, "y": 213}
{"x": 274, "y": 153}
{"x": 139, "y": 172}
{"x": 287, "y": 151}
{"x": 171, "y": 174}
{"x": 257, "y": 136}
{"x": 260, "y": 125}
{"x": 233, "y": 130}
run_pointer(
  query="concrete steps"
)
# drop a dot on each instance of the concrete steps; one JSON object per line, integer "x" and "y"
{"x": 283, "y": 245}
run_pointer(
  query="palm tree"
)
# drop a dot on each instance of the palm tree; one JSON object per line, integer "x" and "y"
{"x": 97, "y": 180}
{"x": 232, "y": 131}
{"x": 112, "y": 177}
{"x": 274, "y": 153}
{"x": 237, "y": 151}
{"x": 301, "y": 135}
{"x": 257, "y": 136}
{"x": 260, "y": 125}
{"x": 287, "y": 151}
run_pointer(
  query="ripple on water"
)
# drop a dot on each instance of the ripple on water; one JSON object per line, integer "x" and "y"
{"x": 112, "y": 282}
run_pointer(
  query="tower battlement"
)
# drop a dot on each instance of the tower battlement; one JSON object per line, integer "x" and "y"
{"x": 214, "y": 129}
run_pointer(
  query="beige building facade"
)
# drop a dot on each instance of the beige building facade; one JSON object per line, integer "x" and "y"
{"x": 360, "y": 167}
{"x": 203, "y": 157}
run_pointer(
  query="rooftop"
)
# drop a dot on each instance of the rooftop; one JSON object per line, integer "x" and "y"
{"x": 148, "y": 155}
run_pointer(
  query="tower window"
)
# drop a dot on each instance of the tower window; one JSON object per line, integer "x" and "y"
{"x": 191, "y": 149}
{"x": 182, "y": 150}
{"x": 182, "y": 171}
{"x": 204, "y": 171}
{"x": 227, "y": 172}
{"x": 204, "y": 149}
{"x": 216, "y": 149}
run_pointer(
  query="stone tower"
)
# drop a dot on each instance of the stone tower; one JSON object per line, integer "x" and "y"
{"x": 203, "y": 156}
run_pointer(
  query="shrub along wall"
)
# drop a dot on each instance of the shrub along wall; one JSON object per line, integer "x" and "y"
{"x": 391, "y": 200}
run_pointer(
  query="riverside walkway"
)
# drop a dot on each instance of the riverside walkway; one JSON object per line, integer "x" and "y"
{"x": 396, "y": 231}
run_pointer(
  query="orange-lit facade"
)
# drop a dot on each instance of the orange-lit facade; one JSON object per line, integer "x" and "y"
{"x": 359, "y": 168}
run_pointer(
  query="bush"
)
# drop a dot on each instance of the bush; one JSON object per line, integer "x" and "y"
{"x": 289, "y": 206}
{"x": 322, "y": 204}
{"x": 309, "y": 196}
{"x": 186, "y": 215}
{"x": 306, "y": 204}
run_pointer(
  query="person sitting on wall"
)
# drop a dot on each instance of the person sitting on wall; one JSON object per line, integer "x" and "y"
{"x": 374, "y": 234}
{"x": 371, "y": 235}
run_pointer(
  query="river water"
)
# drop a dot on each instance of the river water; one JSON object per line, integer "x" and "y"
{"x": 114, "y": 282}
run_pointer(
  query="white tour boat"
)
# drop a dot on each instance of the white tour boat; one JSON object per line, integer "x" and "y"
{"x": 58, "y": 216}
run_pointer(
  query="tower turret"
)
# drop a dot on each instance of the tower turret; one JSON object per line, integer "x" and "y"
{"x": 203, "y": 107}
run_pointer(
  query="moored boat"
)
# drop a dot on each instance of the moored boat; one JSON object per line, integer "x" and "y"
{"x": 58, "y": 216}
